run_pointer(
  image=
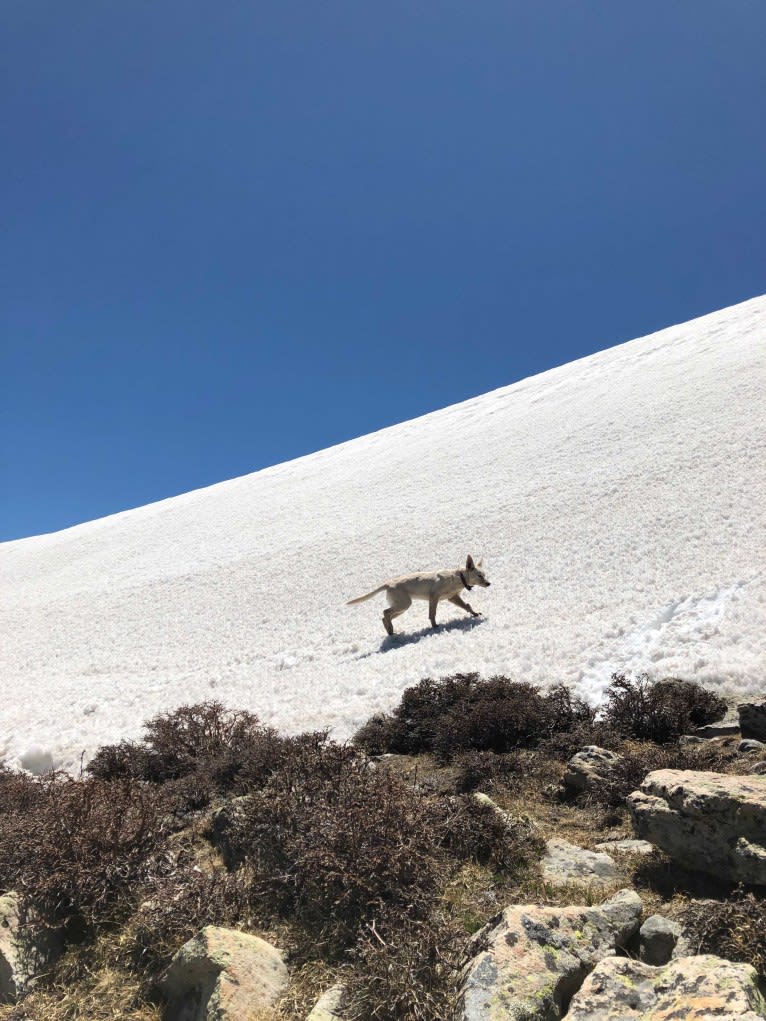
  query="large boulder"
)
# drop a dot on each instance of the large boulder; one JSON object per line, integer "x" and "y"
{"x": 710, "y": 822}
{"x": 223, "y": 975}
{"x": 530, "y": 962}
{"x": 689, "y": 988}
{"x": 589, "y": 768}
{"x": 752, "y": 718}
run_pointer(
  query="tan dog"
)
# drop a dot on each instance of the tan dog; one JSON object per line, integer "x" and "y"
{"x": 446, "y": 584}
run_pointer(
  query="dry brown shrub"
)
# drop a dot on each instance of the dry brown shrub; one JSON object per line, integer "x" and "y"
{"x": 407, "y": 969}
{"x": 199, "y": 751}
{"x": 659, "y": 711}
{"x": 77, "y": 855}
{"x": 463, "y": 712}
{"x": 734, "y": 929}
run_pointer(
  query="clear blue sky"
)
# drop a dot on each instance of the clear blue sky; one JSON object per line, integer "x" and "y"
{"x": 237, "y": 232}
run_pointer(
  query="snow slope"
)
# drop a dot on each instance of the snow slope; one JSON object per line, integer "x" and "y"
{"x": 617, "y": 501}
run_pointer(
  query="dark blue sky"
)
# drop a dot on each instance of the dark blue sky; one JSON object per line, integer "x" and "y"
{"x": 237, "y": 232}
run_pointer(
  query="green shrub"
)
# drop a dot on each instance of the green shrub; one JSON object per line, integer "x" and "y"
{"x": 659, "y": 711}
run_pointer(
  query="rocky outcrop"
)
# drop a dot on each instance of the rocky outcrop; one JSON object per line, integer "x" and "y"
{"x": 565, "y": 864}
{"x": 223, "y": 975}
{"x": 589, "y": 768}
{"x": 710, "y": 822}
{"x": 530, "y": 962}
{"x": 689, "y": 988}
{"x": 752, "y": 718}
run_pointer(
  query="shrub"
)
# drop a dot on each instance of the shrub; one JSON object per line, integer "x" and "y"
{"x": 659, "y": 711}
{"x": 472, "y": 830}
{"x": 465, "y": 713}
{"x": 733, "y": 929}
{"x": 640, "y": 758}
{"x": 202, "y": 750}
{"x": 331, "y": 840}
{"x": 78, "y": 853}
{"x": 406, "y": 970}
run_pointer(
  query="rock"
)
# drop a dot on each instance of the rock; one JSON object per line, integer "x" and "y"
{"x": 690, "y": 739}
{"x": 566, "y": 863}
{"x": 25, "y": 951}
{"x": 689, "y": 988}
{"x": 626, "y": 847}
{"x": 328, "y": 1005}
{"x": 589, "y": 768}
{"x": 657, "y": 939}
{"x": 748, "y": 745}
{"x": 752, "y": 718}
{"x": 759, "y": 767}
{"x": 535, "y": 957}
{"x": 222, "y": 975}
{"x": 710, "y": 822}
{"x": 723, "y": 728}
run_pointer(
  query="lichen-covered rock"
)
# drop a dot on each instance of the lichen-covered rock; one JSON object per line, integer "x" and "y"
{"x": 749, "y": 745}
{"x": 711, "y": 822}
{"x": 688, "y": 989}
{"x": 223, "y": 975}
{"x": 564, "y": 864}
{"x": 657, "y": 938}
{"x": 589, "y": 768}
{"x": 530, "y": 962}
{"x": 752, "y": 718}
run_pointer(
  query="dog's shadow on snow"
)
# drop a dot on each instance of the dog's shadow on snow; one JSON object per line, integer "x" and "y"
{"x": 399, "y": 641}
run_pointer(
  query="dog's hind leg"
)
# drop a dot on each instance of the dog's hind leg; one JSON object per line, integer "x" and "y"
{"x": 464, "y": 605}
{"x": 398, "y": 603}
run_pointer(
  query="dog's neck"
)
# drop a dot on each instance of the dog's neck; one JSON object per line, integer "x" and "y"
{"x": 465, "y": 583}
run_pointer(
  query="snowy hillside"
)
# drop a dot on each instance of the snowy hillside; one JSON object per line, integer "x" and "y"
{"x": 618, "y": 503}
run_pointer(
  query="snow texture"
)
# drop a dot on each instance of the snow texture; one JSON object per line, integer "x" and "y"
{"x": 618, "y": 502}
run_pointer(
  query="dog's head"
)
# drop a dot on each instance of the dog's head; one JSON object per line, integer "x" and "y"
{"x": 474, "y": 574}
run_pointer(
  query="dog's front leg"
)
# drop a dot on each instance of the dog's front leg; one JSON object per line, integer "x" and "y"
{"x": 464, "y": 605}
{"x": 433, "y": 602}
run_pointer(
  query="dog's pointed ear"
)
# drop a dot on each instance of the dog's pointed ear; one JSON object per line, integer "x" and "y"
{"x": 480, "y": 562}
{"x": 469, "y": 563}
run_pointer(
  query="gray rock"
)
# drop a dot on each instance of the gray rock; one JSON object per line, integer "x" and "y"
{"x": 658, "y": 937}
{"x": 223, "y": 975}
{"x": 26, "y": 951}
{"x": 748, "y": 745}
{"x": 752, "y": 718}
{"x": 530, "y": 962}
{"x": 691, "y": 739}
{"x": 723, "y": 728}
{"x": 328, "y": 1006}
{"x": 566, "y": 863}
{"x": 589, "y": 768}
{"x": 759, "y": 767}
{"x": 626, "y": 847}
{"x": 710, "y": 822}
{"x": 688, "y": 989}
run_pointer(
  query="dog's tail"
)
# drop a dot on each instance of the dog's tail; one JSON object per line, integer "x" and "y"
{"x": 361, "y": 599}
